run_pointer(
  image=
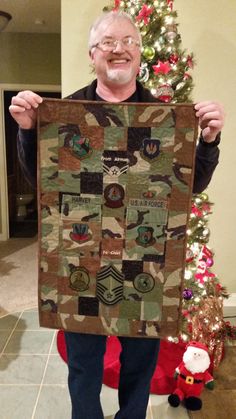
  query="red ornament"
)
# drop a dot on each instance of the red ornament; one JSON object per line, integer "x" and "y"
{"x": 189, "y": 256}
{"x": 164, "y": 93}
{"x": 190, "y": 61}
{"x": 206, "y": 207}
{"x": 173, "y": 59}
{"x": 170, "y": 4}
{"x": 187, "y": 76}
{"x": 196, "y": 211}
{"x": 162, "y": 67}
{"x": 144, "y": 14}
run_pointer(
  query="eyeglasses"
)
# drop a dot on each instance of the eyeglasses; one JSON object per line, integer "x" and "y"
{"x": 109, "y": 44}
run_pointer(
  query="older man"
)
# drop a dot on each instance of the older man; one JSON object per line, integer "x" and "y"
{"x": 115, "y": 51}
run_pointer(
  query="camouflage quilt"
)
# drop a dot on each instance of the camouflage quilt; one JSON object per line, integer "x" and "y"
{"x": 114, "y": 184}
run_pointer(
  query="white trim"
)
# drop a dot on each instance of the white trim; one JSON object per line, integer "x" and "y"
{"x": 4, "y": 235}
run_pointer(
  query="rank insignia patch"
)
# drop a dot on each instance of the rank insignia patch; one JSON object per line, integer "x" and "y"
{"x": 110, "y": 285}
{"x": 115, "y": 183}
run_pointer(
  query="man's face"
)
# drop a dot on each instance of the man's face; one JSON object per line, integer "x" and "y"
{"x": 121, "y": 65}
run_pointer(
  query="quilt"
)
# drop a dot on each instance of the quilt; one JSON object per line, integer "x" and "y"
{"x": 114, "y": 197}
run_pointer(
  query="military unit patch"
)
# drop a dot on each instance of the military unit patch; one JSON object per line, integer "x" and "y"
{"x": 114, "y": 198}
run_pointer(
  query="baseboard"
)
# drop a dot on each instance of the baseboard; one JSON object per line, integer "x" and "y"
{"x": 230, "y": 305}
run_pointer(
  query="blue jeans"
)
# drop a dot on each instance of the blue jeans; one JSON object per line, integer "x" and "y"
{"x": 85, "y": 362}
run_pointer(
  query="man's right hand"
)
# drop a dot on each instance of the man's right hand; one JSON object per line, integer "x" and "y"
{"x": 23, "y": 108}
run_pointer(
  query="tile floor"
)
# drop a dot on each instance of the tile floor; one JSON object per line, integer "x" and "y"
{"x": 33, "y": 378}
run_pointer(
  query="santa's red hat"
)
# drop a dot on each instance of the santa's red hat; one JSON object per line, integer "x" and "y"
{"x": 198, "y": 345}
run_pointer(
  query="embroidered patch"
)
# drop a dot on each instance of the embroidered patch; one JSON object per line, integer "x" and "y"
{"x": 80, "y": 233}
{"x": 114, "y": 195}
{"x": 80, "y": 147}
{"x": 145, "y": 236}
{"x": 110, "y": 285}
{"x": 144, "y": 282}
{"x": 150, "y": 149}
{"x": 79, "y": 279}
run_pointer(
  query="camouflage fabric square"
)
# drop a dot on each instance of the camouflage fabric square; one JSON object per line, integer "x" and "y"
{"x": 114, "y": 198}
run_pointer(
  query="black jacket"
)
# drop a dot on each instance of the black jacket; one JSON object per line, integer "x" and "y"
{"x": 207, "y": 155}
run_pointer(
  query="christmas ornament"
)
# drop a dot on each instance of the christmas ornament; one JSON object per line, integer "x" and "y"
{"x": 144, "y": 14}
{"x": 190, "y": 61}
{"x": 204, "y": 197}
{"x": 173, "y": 59}
{"x": 187, "y": 76}
{"x": 143, "y": 73}
{"x": 180, "y": 85}
{"x": 189, "y": 255}
{"x": 170, "y": 4}
{"x": 192, "y": 375}
{"x": 209, "y": 262}
{"x": 187, "y": 294}
{"x": 149, "y": 53}
{"x": 164, "y": 93}
{"x": 161, "y": 67}
{"x": 171, "y": 32}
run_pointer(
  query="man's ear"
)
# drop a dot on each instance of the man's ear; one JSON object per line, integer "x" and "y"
{"x": 91, "y": 56}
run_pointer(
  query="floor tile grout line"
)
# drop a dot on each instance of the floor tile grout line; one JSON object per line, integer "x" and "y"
{"x": 44, "y": 373}
{"x": 9, "y": 337}
{"x": 12, "y": 313}
{"x": 25, "y": 354}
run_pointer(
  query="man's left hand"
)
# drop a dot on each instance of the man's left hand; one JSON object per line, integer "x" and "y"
{"x": 211, "y": 119}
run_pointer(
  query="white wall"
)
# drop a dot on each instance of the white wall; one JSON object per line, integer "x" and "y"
{"x": 208, "y": 29}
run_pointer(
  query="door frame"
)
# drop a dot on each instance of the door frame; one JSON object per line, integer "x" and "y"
{"x": 4, "y": 215}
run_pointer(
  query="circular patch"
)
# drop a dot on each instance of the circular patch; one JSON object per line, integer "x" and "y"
{"x": 79, "y": 279}
{"x": 144, "y": 282}
{"x": 114, "y": 195}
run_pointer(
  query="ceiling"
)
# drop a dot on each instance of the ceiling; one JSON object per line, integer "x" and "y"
{"x": 26, "y": 13}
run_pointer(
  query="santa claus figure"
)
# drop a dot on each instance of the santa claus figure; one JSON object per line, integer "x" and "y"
{"x": 192, "y": 375}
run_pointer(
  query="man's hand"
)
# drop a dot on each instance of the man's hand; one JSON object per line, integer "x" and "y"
{"x": 211, "y": 119}
{"x": 23, "y": 108}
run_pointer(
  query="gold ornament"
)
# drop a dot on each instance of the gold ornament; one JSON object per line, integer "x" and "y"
{"x": 149, "y": 53}
{"x": 204, "y": 197}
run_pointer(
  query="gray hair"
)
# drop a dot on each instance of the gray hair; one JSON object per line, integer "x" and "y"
{"x": 109, "y": 17}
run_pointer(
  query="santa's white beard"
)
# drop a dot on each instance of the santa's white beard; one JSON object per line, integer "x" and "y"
{"x": 200, "y": 364}
{"x": 119, "y": 76}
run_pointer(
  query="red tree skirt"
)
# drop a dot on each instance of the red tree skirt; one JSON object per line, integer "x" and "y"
{"x": 170, "y": 356}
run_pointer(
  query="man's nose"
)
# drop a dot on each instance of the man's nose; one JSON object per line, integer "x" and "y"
{"x": 118, "y": 46}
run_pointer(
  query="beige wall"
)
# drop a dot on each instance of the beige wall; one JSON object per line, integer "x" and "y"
{"x": 209, "y": 31}
{"x": 30, "y": 58}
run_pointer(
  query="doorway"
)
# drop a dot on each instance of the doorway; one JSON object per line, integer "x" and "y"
{"x": 22, "y": 224}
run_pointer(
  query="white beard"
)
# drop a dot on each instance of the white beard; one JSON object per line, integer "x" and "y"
{"x": 199, "y": 364}
{"x": 119, "y": 76}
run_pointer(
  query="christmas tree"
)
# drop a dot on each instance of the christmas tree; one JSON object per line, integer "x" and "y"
{"x": 165, "y": 70}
